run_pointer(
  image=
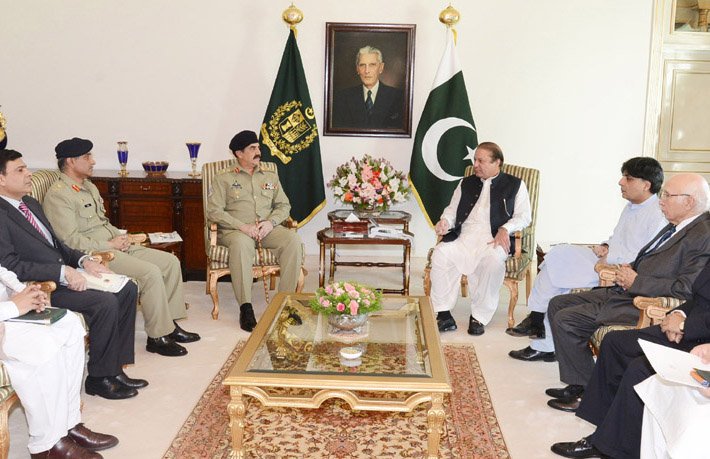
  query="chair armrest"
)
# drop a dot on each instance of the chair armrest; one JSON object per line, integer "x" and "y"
{"x": 137, "y": 238}
{"x": 290, "y": 223}
{"x": 45, "y": 286}
{"x": 518, "y": 235}
{"x": 106, "y": 257}
{"x": 653, "y": 310}
{"x": 607, "y": 273}
{"x": 213, "y": 234}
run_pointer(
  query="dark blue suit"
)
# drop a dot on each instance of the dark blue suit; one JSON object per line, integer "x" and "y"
{"x": 349, "y": 109}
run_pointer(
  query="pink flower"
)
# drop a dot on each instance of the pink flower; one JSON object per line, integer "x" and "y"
{"x": 353, "y": 294}
{"x": 340, "y": 307}
{"x": 348, "y": 287}
{"x": 366, "y": 302}
{"x": 354, "y": 307}
{"x": 329, "y": 290}
{"x": 366, "y": 173}
{"x": 325, "y": 303}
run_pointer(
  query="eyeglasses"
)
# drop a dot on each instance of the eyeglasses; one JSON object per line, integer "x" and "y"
{"x": 666, "y": 195}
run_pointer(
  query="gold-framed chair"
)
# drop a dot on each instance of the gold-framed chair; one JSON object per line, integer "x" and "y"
{"x": 218, "y": 255}
{"x": 518, "y": 266}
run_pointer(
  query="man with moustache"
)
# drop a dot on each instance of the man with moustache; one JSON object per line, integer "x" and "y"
{"x": 248, "y": 204}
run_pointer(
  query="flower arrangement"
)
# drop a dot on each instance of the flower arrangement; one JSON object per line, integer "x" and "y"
{"x": 346, "y": 298}
{"x": 369, "y": 184}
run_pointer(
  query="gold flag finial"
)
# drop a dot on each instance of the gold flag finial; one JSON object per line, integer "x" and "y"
{"x": 450, "y": 16}
{"x": 292, "y": 16}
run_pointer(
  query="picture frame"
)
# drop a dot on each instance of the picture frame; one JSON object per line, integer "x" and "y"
{"x": 350, "y": 110}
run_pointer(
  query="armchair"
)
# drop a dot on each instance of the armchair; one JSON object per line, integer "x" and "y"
{"x": 519, "y": 265}
{"x": 218, "y": 255}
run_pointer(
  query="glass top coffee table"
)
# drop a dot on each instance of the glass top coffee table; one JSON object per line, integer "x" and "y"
{"x": 293, "y": 359}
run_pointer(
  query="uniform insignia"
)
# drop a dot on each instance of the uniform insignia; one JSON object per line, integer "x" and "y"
{"x": 268, "y": 186}
{"x": 237, "y": 186}
{"x": 88, "y": 204}
{"x": 75, "y": 188}
{"x": 291, "y": 129}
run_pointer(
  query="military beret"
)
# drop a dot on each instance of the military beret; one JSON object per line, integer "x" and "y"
{"x": 243, "y": 139}
{"x": 71, "y": 148}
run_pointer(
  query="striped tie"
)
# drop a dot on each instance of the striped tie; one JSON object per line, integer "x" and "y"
{"x": 30, "y": 218}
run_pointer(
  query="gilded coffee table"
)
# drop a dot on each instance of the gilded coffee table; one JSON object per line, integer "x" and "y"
{"x": 293, "y": 359}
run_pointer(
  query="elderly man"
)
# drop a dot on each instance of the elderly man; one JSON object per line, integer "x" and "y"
{"x": 611, "y": 403}
{"x": 569, "y": 266}
{"x": 45, "y": 364}
{"x": 30, "y": 247}
{"x": 666, "y": 266}
{"x": 476, "y": 230}
{"x": 75, "y": 209}
{"x": 371, "y": 104}
{"x": 248, "y": 205}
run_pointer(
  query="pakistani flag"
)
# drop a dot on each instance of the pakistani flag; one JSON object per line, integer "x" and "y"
{"x": 445, "y": 140}
{"x": 289, "y": 137}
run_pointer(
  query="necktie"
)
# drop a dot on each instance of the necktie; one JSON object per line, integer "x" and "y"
{"x": 652, "y": 248}
{"x": 368, "y": 102}
{"x": 30, "y": 218}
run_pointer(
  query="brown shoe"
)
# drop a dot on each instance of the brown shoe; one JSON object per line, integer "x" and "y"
{"x": 66, "y": 448}
{"x": 90, "y": 440}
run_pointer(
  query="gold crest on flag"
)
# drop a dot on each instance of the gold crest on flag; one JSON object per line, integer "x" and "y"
{"x": 290, "y": 130}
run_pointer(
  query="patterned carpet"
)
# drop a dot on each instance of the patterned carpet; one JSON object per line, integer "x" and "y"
{"x": 334, "y": 431}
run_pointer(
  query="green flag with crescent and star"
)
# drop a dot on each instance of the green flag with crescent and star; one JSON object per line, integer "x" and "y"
{"x": 289, "y": 137}
{"x": 445, "y": 140}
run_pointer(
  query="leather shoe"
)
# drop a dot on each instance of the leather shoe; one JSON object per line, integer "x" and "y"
{"x": 182, "y": 336}
{"x": 93, "y": 441}
{"x": 445, "y": 325}
{"x": 527, "y": 328}
{"x": 247, "y": 321}
{"x": 571, "y": 391}
{"x": 569, "y": 405}
{"x": 166, "y": 346}
{"x": 108, "y": 387}
{"x": 529, "y": 354}
{"x": 581, "y": 448}
{"x": 130, "y": 382}
{"x": 66, "y": 448}
{"x": 475, "y": 327}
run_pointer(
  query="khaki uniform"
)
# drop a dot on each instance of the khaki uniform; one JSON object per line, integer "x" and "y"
{"x": 237, "y": 198}
{"x": 76, "y": 212}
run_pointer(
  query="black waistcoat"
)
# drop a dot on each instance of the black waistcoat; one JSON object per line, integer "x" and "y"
{"x": 504, "y": 188}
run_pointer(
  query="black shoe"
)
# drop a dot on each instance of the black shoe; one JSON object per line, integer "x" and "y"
{"x": 181, "y": 336}
{"x": 445, "y": 325}
{"x": 569, "y": 405}
{"x": 529, "y": 354}
{"x": 130, "y": 382}
{"x": 527, "y": 328}
{"x": 166, "y": 346}
{"x": 108, "y": 387}
{"x": 247, "y": 321}
{"x": 475, "y": 327}
{"x": 581, "y": 448}
{"x": 569, "y": 392}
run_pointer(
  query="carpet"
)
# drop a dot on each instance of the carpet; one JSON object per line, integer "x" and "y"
{"x": 334, "y": 431}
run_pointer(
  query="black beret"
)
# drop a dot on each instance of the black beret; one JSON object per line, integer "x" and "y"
{"x": 243, "y": 139}
{"x": 71, "y": 148}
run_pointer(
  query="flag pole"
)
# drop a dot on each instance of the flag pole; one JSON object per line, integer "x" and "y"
{"x": 450, "y": 16}
{"x": 292, "y": 16}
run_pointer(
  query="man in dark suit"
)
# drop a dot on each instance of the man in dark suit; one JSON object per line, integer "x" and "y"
{"x": 610, "y": 401}
{"x": 372, "y": 104}
{"x": 30, "y": 248}
{"x": 667, "y": 266}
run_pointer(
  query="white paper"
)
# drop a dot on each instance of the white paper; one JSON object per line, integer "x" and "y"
{"x": 162, "y": 238}
{"x": 108, "y": 282}
{"x": 352, "y": 218}
{"x": 671, "y": 364}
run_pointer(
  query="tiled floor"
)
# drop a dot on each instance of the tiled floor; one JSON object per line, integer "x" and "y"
{"x": 146, "y": 424}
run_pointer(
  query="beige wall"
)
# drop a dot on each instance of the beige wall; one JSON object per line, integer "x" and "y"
{"x": 559, "y": 84}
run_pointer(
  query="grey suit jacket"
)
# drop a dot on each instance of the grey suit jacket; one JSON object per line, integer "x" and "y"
{"x": 25, "y": 251}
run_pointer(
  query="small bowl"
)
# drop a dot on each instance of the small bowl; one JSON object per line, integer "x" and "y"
{"x": 155, "y": 167}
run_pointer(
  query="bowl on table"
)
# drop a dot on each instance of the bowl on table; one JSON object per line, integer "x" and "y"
{"x": 155, "y": 167}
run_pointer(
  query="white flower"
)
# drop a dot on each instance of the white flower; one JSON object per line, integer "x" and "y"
{"x": 399, "y": 197}
{"x": 337, "y": 191}
{"x": 343, "y": 181}
{"x": 394, "y": 183}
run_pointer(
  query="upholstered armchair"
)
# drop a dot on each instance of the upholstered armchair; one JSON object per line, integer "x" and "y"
{"x": 218, "y": 255}
{"x": 519, "y": 265}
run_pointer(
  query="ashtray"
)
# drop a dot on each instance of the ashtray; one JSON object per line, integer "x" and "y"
{"x": 155, "y": 167}
{"x": 350, "y": 352}
{"x": 350, "y": 363}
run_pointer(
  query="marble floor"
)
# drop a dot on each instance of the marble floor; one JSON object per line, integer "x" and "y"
{"x": 147, "y": 423}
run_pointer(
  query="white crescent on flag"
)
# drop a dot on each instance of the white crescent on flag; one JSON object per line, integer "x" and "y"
{"x": 430, "y": 144}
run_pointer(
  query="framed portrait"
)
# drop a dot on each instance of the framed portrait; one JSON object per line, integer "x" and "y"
{"x": 368, "y": 79}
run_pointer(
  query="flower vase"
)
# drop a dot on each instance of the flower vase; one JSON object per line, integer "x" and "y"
{"x": 347, "y": 323}
{"x": 368, "y": 211}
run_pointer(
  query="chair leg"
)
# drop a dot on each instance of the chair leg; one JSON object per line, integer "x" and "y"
{"x": 301, "y": 280}
{"x": 528, "y": 283}
{"x": 212, "y": 289}
{"x": 512, "y": 285}
{"x": 464, "y": 286}
{"x": 4, "y": 428}
{"x": 427, "y": 281}
{"x": 272, "y": 281}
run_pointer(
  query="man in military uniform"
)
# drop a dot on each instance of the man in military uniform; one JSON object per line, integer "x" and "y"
{"x": 248, "y": 204}
{"x": 75, "y": 208}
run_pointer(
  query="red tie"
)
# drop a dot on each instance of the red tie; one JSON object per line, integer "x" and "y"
{"x": 30, "y": 218}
